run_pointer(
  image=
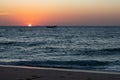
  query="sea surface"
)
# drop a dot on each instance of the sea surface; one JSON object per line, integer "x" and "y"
{"x": 87, "y": 48}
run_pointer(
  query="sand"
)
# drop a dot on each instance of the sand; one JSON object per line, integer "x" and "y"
{"x": 39, "y": 73}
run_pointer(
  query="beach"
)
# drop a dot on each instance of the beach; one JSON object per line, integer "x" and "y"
{"x": 40, "y": 73}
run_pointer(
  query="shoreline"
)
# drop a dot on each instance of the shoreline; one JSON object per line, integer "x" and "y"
{"x": 8, "y": 72}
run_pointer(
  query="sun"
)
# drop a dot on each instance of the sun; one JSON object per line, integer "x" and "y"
{"x": 29, "y": 25}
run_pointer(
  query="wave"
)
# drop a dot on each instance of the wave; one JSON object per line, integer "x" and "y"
{"x": 85, "y": 64}
{"x": 111, "y": 49}
{"x": 94, "y": 52}
{"x": 61, "y": 63}
{"x": 14, "y": 43}
{"x": 59, "y": 49}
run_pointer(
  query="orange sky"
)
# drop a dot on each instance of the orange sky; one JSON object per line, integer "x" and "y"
{"x": 59, "y": 12}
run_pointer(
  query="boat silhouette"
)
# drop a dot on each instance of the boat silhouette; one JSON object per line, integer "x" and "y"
{"x": 51, "y": 26}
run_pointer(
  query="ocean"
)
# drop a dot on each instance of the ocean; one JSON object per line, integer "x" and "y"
{"x": 71, "y": 47}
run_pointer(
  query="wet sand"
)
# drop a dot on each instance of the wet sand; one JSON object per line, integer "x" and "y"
{"x": 40, "y": 73}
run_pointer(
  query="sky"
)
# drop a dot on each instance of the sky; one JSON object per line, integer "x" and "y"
{"x": 60, "y": 12}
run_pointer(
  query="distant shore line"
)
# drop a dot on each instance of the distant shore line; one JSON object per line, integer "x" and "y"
{"x": 57, "y": 26}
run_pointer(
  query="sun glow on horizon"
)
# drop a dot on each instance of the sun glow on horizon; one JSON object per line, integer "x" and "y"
{"x": 29, "y": 25}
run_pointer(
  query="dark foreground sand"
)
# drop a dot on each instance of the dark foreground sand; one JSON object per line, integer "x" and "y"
{"x": 35, "y": 73}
